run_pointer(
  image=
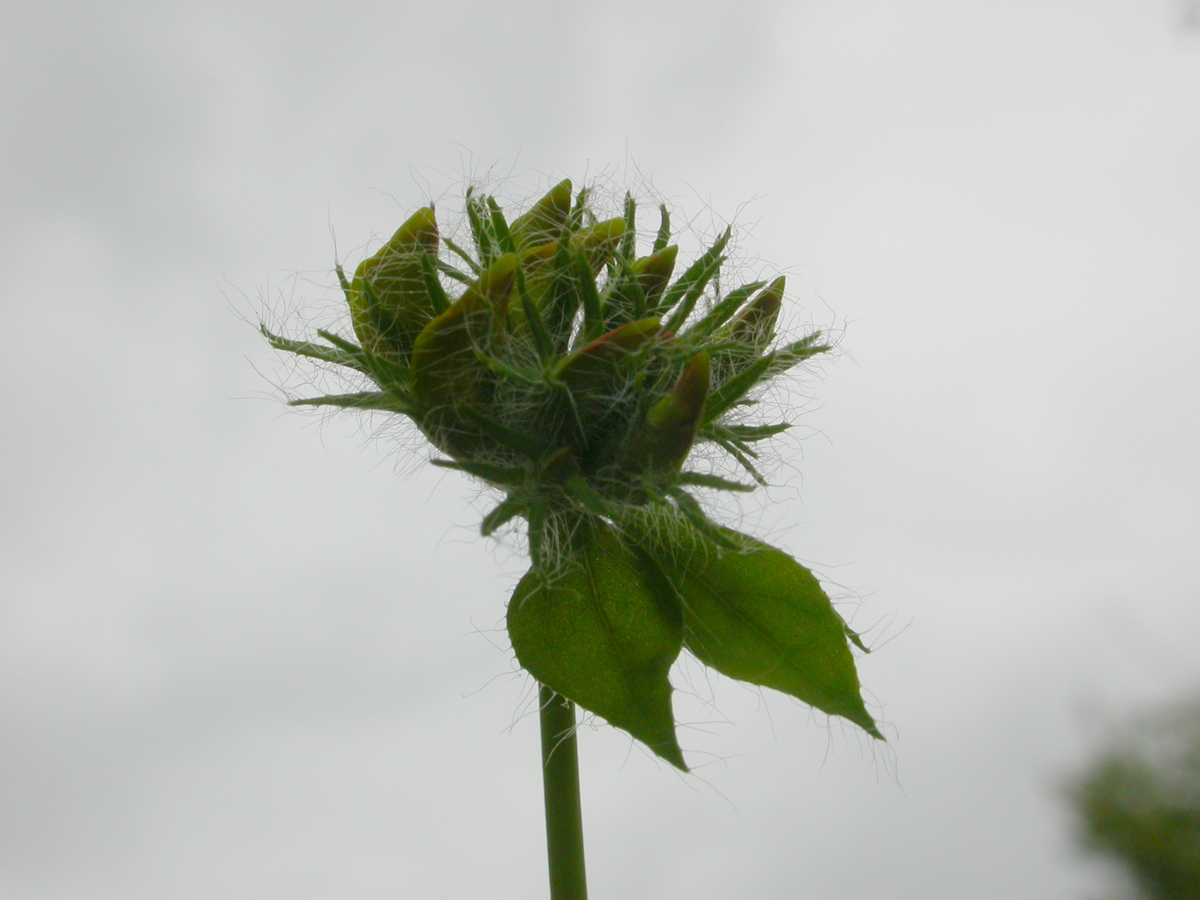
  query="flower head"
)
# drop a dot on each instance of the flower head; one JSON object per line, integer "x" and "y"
{"x": 575, "y": 376}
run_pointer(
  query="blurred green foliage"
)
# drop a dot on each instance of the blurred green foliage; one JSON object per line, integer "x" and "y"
{"x": 1138, "y": 803}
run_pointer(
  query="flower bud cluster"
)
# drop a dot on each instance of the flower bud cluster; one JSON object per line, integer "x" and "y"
{"x": 560, "y": 366}
{"x": 568, "y": 371}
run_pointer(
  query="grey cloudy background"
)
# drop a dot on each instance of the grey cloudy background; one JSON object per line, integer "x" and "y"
{"x": 249, "y": 653}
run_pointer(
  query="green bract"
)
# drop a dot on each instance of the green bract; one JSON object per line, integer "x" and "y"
{"x": 575, "y": 377}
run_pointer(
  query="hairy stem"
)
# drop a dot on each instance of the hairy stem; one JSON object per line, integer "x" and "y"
{"x": 560, "y": 780}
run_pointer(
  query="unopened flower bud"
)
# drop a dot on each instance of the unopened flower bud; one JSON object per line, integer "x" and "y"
{"x": 597, "y": 377}
{"x": 672, "y": 422}
{"x": 654, "y": 272}
{"x": 755, "y": 324}
{"x": 447, "y": 376}
{"x": 543, "y": 223}
{"x": 591, "y": 369}
{"x": 537, "y": 263}
{"x": 599, "y": 242}
{"x": 389, "y": 302}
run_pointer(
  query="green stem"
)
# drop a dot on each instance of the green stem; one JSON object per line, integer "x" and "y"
{"x": 560, "y": 780}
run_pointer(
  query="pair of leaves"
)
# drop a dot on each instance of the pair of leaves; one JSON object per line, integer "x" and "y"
{"x": 605, "y": 629}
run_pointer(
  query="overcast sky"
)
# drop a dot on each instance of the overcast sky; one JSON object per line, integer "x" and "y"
{"x": 246, "y": 652}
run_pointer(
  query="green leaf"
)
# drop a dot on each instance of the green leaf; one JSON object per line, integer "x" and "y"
{"x": 599, "y": 634}
{"x": 759, "y": 616}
